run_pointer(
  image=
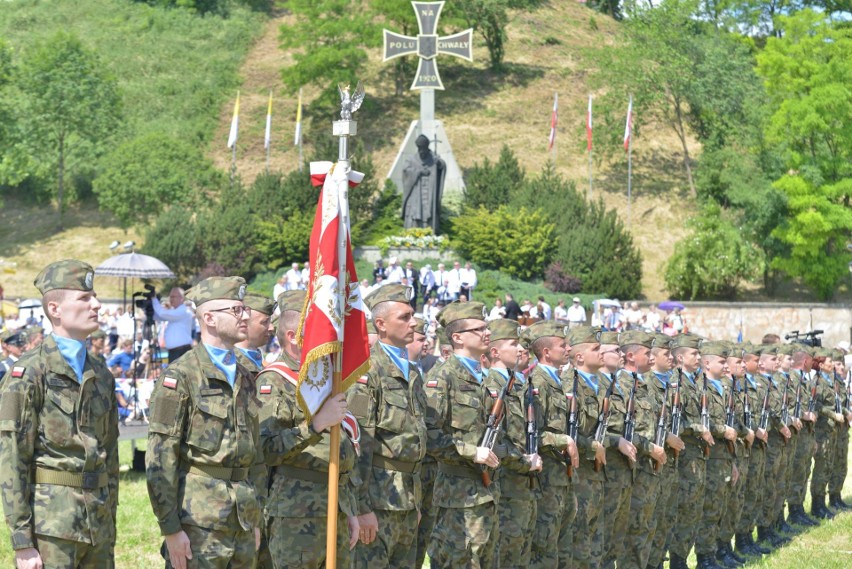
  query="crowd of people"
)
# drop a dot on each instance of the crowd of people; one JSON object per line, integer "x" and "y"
{"x": 487, "y": 441}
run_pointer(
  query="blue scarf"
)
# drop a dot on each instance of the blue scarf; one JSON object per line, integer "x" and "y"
{"x": 254, "y": 355}
{"x": 73, "y": 352}
{"x": 399, "y": 357}
{"x": 225, "y": 361}
{"x": 472, "y": 366}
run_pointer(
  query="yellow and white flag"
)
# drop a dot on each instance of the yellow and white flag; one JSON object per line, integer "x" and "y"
{"x": 298, "y": 139}
{"x": 235, "y": 123}
{"x": 268, "y": 136}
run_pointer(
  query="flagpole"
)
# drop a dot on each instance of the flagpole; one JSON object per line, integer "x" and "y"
{"x": 589, "y": 136}
{"x": 342, "y": 129}
{"x": 629, "y": 158}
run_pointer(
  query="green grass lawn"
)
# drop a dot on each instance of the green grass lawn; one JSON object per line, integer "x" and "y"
{"x": 826, "y": 547}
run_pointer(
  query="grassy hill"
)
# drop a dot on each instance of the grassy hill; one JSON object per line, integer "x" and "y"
{"x": 481, "y": 111}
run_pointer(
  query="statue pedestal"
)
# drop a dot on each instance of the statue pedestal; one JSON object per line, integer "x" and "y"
{"x": 453, "y": 182}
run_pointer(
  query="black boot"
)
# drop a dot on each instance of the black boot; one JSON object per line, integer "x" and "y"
{"x": 706, "y": 561}
{"x": 836, "y": 502}
{"x": 758, "y": 549}
{"x": 677, "y": 562}
{"x": 818, "y": 509}
{"x": 724, "y": 557}
{"x": 743, "y": 546}
{"x": 798, "y": 516}
{"x": 782, "y": 524}
{"x": 733, "y": 554}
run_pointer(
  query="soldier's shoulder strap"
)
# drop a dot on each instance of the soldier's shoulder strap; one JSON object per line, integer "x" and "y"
{"x": 284, "y": 371}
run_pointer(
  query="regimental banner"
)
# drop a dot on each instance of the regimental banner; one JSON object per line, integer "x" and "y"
{"x": 326, "y": 324}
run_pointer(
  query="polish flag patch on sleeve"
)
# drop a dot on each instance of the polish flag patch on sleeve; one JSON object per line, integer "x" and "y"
{"x": 432, "y": 383}
{"x": 170, "y": 382}
{"x": 18, "y": 371}
{"x": 535, "y": 390}
{"x": 493, "y": 393}
{"x": 265, "y": 389}
{"x": 363, "y": 380}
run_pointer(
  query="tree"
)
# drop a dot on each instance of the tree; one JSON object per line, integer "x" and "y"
{"x": 492, "y": 185}
{"x": 145, "y": 175}
{"x": 712, "y": 261}
{"x": 489, "y": 18}
{"x": 399, "y": 18}
{"x": 175, "y": 238}
{"x": 807, "y": 74}
{"x": 71, "y": 101}
{"x": 13, "y": 160}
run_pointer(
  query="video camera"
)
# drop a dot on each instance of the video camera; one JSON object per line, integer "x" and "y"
{"x": 145, "y": 303}
{"x": 811, "y": 338}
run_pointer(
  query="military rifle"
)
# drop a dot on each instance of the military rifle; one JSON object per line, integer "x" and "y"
{"x": 705, "y": 413}
{"x": 495, "y": 422}
{"x": 785, "y": 414}
{"x": 764, "y": 411}
{"x": 797, "y": 411}
{"x": 660, "y": 435}
{"x": 603, "y": 420}
{"x": 630, "y": 418}
{"x": 812, "y": 402}
{"x": 573, "y": 424}
{"x": 531, "y": 424}
{"x": 677, "y": 409}
{"x": 731, "y": 415}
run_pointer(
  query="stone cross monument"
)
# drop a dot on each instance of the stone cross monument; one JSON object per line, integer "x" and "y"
{"x": 427, "y": 46}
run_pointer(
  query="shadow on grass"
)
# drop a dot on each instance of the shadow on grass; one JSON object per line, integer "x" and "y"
{"x": 655, "y": 173}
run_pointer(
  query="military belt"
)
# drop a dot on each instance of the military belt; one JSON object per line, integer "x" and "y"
{"x": 84, "y": 480}
{"x": 318, "y": 476}
{"x": 395, "y": 465}
{"x": 463, "y": 471}
{"x": 237, "y": 474}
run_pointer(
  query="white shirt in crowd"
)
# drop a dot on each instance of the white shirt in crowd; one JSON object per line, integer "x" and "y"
{"x": 497, "y": 312}
{"x": 652, "y": 321}
{"x": 576, "y": 313}
{"x": 546, "y": 312}
{"x": 560, "y": 313}
{"x": 427, "y": 278}
{"x": 467, "y": 275}
{"x": 395, "y": 274}
{"x": 294, "y": 278}
{"x": 306, "y": 276}
{"x": 454, "y": 285}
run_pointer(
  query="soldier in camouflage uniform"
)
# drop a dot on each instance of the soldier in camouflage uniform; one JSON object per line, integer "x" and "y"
{"x": 428, "y": 471}
{"x": 826, "y": 432}
{"x": 662, "y": 386}
{"x": 203, "y": 441}
{"x": 620, "y": 454}
{"x": 636, "y": 347}
{"x": 787, "y": 386}
{"x": 59, "y": 435}
{"x": 587, "y": 542}
{"x": 465, "y": 530}
{"x": 720, "y": 471}
{"x": 838, "y": 474}
{"x": 14, "y": 342}
{"x": 557, "y": 506}
{"x": 390, "y": 405}
{"x": 691, "y": 464}
{"x": 296, "y": 453}
{"x": 800, "y": 462}
{"x": 516, "y": 509}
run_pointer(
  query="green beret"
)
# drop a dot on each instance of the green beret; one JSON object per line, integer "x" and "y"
{"x": 97, "y": 335}
{"x": 419, "y": 325}
{"x": 371, "y": 328}
{"x": 291, "y": 300}
{"x": 686, "y": 341}
{"x": 767, "y": 350}
{"x": 583, "y": 335}
{"x": 662, "y": 341}
{"x": 504, "y": 329}
{"x": 67, "y": 274}
{"x": 714, "y": 348}
{"x": 35, "y": 329}
{"x": 390, "y": 293}
{"x": 635, "y": 337}
{"x": 786, "y": 349}
{"x": 837, "y": 355}
{"x": 609, "y": 338}
{"x": 749, "y": 349}
{"x": 217, "y": 288}
{"x": 543, "y": 329}
{"x": 259, "y": 303}
{"x": 461, "y": 311}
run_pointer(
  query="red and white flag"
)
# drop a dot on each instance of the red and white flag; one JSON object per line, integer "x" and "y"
{"x": 554, "y": 119}
{"x": 325, "y": 324}
{"x": 628, "y": 127}
{"x": 589, "y": 126}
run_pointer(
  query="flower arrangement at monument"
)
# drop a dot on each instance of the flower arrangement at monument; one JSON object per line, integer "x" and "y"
{"x": 414, "y": 237}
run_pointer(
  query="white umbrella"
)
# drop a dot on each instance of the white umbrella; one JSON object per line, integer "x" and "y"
{"x": 134, "y": 266}
{"x": 30, "y": 303}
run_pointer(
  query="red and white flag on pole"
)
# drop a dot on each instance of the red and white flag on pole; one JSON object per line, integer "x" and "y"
{"x": 325, "y": 324}
{"x": 589, "y": 126}
{"x": 628, "y": 127}
{"x": 554, "y": 119}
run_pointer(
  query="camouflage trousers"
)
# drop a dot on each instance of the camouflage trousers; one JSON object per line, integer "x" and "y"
{"x": 516, "y": 512}
{"x": 616, "y": 512}
{"x": 64, "y": 554}
{"x": 428, "y": 470}
{"x": 218, "y": 549}
{"x": 395, "y": 544}
{"x": 642, "y": 525}
{"x": 264, "y": 558}
{"x": 464, "y": 537}
{"x": 553, "y": 536}
{"x": 753, "y": 489}
{"x": 665, "y": 511}
{"x": 839, "y": 465}
{"x": 800, "y": 467}
{"x": 717, "y": 485}
{"x": 588, "y": 538}
{"x": 823, "y": 460}
{"x": 792, "y": 449}
{"x": 691, "y": 471}
{"x": 773, "y": 481}
{"x": 734, "y": 506}
{"x": 299, "y": 543}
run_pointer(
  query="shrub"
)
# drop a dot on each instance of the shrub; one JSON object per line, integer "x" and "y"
{"x": 557, "y": 280}
{"x": 492, "y": 185}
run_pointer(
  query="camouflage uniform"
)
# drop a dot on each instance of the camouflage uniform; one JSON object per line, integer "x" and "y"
{"x": 734, "y": 506}
{"x": 753, "y": 388}
{"x": 557, "y": 506}
{"x": 800, "y": 462}
{"x": 826, "y": 436}
{"x": 203, "y": 443}
{"x": 297, "y": 458}
{"x": 465, "y": 530}
{"x": 618, "y": 486}
{"x": 841, "y": 446}
{"x": 776, "y": 458}
{"x": 391, "y": 411}
{"x": 63, "y": 436}
{"x": 516, "y": 508}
